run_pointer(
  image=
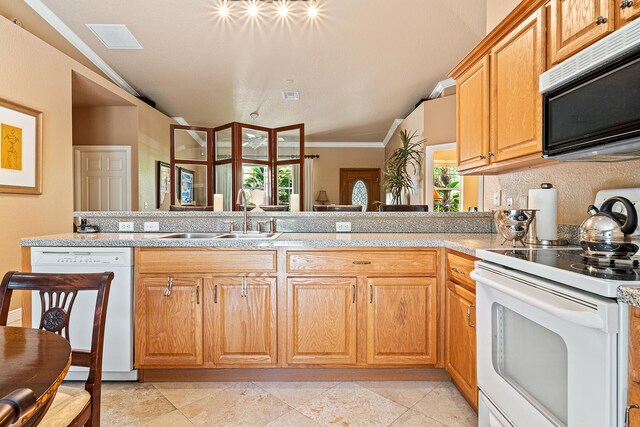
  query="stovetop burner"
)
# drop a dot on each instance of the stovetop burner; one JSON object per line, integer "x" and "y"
{"x": 577, "y": 261}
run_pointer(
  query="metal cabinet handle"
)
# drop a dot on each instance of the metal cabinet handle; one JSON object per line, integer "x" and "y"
{"x": 167, "y": 290}
{"x": 455, "y": 270}
{"x": 197, "y": 294}
{"x": 244, "y": 287}
{"x": 625, "y": 4}
{"x": 215, "y": 294}
{"x": 601, "y": 20}
{"x": 482, "y": 157}
{"x": 491, "y": 154}
{"x": 471, "y": 325}
{"x": 362, "y": 262}
{"x": 353, "y": 294}
{"x": 626, "y": 413}
{"x": 370, "y": 294}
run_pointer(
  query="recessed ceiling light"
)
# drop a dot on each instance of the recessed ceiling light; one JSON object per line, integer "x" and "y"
{"x": 290, "y": 95}
{"x": 252, "y": 9}
{"x": 223, "y": 10}
{"x": 313, "y": 9}
{"x": 115, "y": 36}
{"x": 283, "y": 9}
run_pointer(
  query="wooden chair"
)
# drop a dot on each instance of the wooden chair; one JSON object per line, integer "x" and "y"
{"x": 71, "y": 406}
{"x": 15, "y": 404}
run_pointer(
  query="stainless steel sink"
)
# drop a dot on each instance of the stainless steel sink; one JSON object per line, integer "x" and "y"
{"x": 250, "y": 235}
{"x": 191, "y": 236}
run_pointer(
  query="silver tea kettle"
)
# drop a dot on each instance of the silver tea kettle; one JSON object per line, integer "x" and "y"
{"x": 608, "y": 234}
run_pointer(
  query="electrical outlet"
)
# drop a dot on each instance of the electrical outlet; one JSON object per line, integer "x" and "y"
{"x": 497, "y": 198}
{"x": 343, "y": 227}
{"x": 125, "y": 226}
{"x": 151, "y": 226}
{"x": 509, "y": 201}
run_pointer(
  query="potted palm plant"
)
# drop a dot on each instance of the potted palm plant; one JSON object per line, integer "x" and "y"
{"x": 399, "y": 168}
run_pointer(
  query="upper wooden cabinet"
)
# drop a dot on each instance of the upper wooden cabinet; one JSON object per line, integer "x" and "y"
{"x": 401, "y": 325}
{"x": 628, "y": 10}
{"x": 168, "y": 321}
{"x": 245, "y": 312}
{"x": 516, "y": 103}
{"x": 472, "y": 118}
{"x": 321, "y": 320}
{"x": 575, "y": 24}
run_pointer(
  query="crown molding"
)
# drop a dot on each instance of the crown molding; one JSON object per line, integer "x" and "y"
{"x": 47, "y": 14}
{"x": 440, "y": 88}
{"x": 392, "y": 130}
{"x": 333, "y": 144}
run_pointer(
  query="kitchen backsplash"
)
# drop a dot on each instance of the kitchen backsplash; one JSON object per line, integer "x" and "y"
{"x": 577, "y": 184}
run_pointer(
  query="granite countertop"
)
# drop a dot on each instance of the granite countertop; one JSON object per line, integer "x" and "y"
{"x": 462, "y": 242}
{"x": 629, "y": 295}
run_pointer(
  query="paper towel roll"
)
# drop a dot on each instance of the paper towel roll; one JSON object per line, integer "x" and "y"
{"x": 218, "y": 203}
{"x": 546, "y": 201}
{"x": 294, "y": 202}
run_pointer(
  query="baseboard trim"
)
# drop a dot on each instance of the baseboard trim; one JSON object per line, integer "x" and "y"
{"x": 293, "y": 374}
{"x": 14, "y": 316}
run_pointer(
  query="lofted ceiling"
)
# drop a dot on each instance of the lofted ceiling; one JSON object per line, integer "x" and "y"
{"x": 358, "y": 66}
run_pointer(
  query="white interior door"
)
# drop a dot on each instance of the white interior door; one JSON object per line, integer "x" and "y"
{"x": 102, "y": 178}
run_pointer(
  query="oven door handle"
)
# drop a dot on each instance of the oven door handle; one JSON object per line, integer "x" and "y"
{"x": 589, "y": 319}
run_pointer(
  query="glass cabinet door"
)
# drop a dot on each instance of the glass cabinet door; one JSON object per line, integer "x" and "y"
{"x": 256, "y": 177}
{"x": 288, "y": 183}
{"x": 191, "y": 185}
{"x": 255, "y": 144}
{"x": 223, "y": 144}
{"x": 288, "y": 144}
{"x": 224, "y": 185}
{"x": 190, "y": 144}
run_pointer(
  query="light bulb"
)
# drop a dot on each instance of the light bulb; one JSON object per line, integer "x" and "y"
{"x": 252, "y": 10}
{"x": 313, "y": 10}
{"x": 283, "y": 10}
{"x": 223, "y": 11}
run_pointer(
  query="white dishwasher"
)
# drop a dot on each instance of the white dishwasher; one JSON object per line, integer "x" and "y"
{"x": 117, "y": 359}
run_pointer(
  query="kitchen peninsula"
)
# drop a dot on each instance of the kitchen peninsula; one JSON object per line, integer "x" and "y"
{"x": 307, "y": 305}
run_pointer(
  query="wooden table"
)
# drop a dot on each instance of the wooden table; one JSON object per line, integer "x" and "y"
{"x": 34, "y": 359}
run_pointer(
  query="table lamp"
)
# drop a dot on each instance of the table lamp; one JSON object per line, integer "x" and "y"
{"x": 322, "y": 197}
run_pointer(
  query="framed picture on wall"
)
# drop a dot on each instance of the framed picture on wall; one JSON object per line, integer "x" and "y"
{"x": 163, "y": 183}
{"x": 20, "y": 149}
{"x": 186, "y": 186}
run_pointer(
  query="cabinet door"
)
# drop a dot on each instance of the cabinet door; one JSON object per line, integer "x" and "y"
{"x": 516, "y": 104}
{"x": 321, "y": 320}
{"x": 575, "y": 25}
{"x": 460, "y": 340}
{"x": 244, "y": 320}
{"x": 628, "y": 10}
{"x": 168, "y": 321}
{"x": 472, "y": 127}
{"x": 401, "y": 326}
{"x": 634, "y": 365}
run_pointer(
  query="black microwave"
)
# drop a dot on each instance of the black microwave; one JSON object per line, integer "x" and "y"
{"x": 595, "y": 117}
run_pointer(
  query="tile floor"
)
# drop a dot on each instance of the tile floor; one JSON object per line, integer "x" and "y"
{"x": 428, "y": 404}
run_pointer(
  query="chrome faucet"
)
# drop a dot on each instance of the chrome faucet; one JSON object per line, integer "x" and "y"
{"x": 242, "y": 199}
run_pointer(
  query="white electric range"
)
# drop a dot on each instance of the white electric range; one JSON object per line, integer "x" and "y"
{"x": 552, "y": 340}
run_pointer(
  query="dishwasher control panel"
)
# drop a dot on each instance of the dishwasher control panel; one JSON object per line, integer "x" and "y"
{"x": 72, "y": 256}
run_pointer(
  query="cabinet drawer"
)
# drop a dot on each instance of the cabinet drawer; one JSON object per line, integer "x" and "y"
{"x": 407, "y": 262}
{"x": 459, "y": 269}
{"x": 204, "y": 261}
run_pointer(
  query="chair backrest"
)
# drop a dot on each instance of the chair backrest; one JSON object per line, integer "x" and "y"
{"x": 57, "y": 295}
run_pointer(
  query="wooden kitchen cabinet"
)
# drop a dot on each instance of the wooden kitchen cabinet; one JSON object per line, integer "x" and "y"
{"x": 460, "y": 340}
{"x": 516, "y": 103}
{"x": 401, "y": 320}
{"x": 321, "y": 318}
{"x": 245, "y": 313}
{"x": 633, "y": 396}
{"x": 472, "y": 117}
{"x": 168, "y": 321}
{"x": 576, "y": 24}
{"x": 628, "y": 10}
{"x": 460, "y": 332}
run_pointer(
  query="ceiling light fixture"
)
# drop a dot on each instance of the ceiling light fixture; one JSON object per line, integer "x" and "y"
{"x": 283, "y": 9}
{"x": 252, "y": 9}
{"x": 223, "y": 10}
{"x": 313, "y": 9}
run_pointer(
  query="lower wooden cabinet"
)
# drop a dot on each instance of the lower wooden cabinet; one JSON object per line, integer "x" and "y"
{"x": 168, "y": 321}
{"x": 460, "y": 339}
{"x": 244, "y": 326}
{"x": 633, "y": 397}
{"x": 401, "y": 320}
{"x": 321, "y": 320}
